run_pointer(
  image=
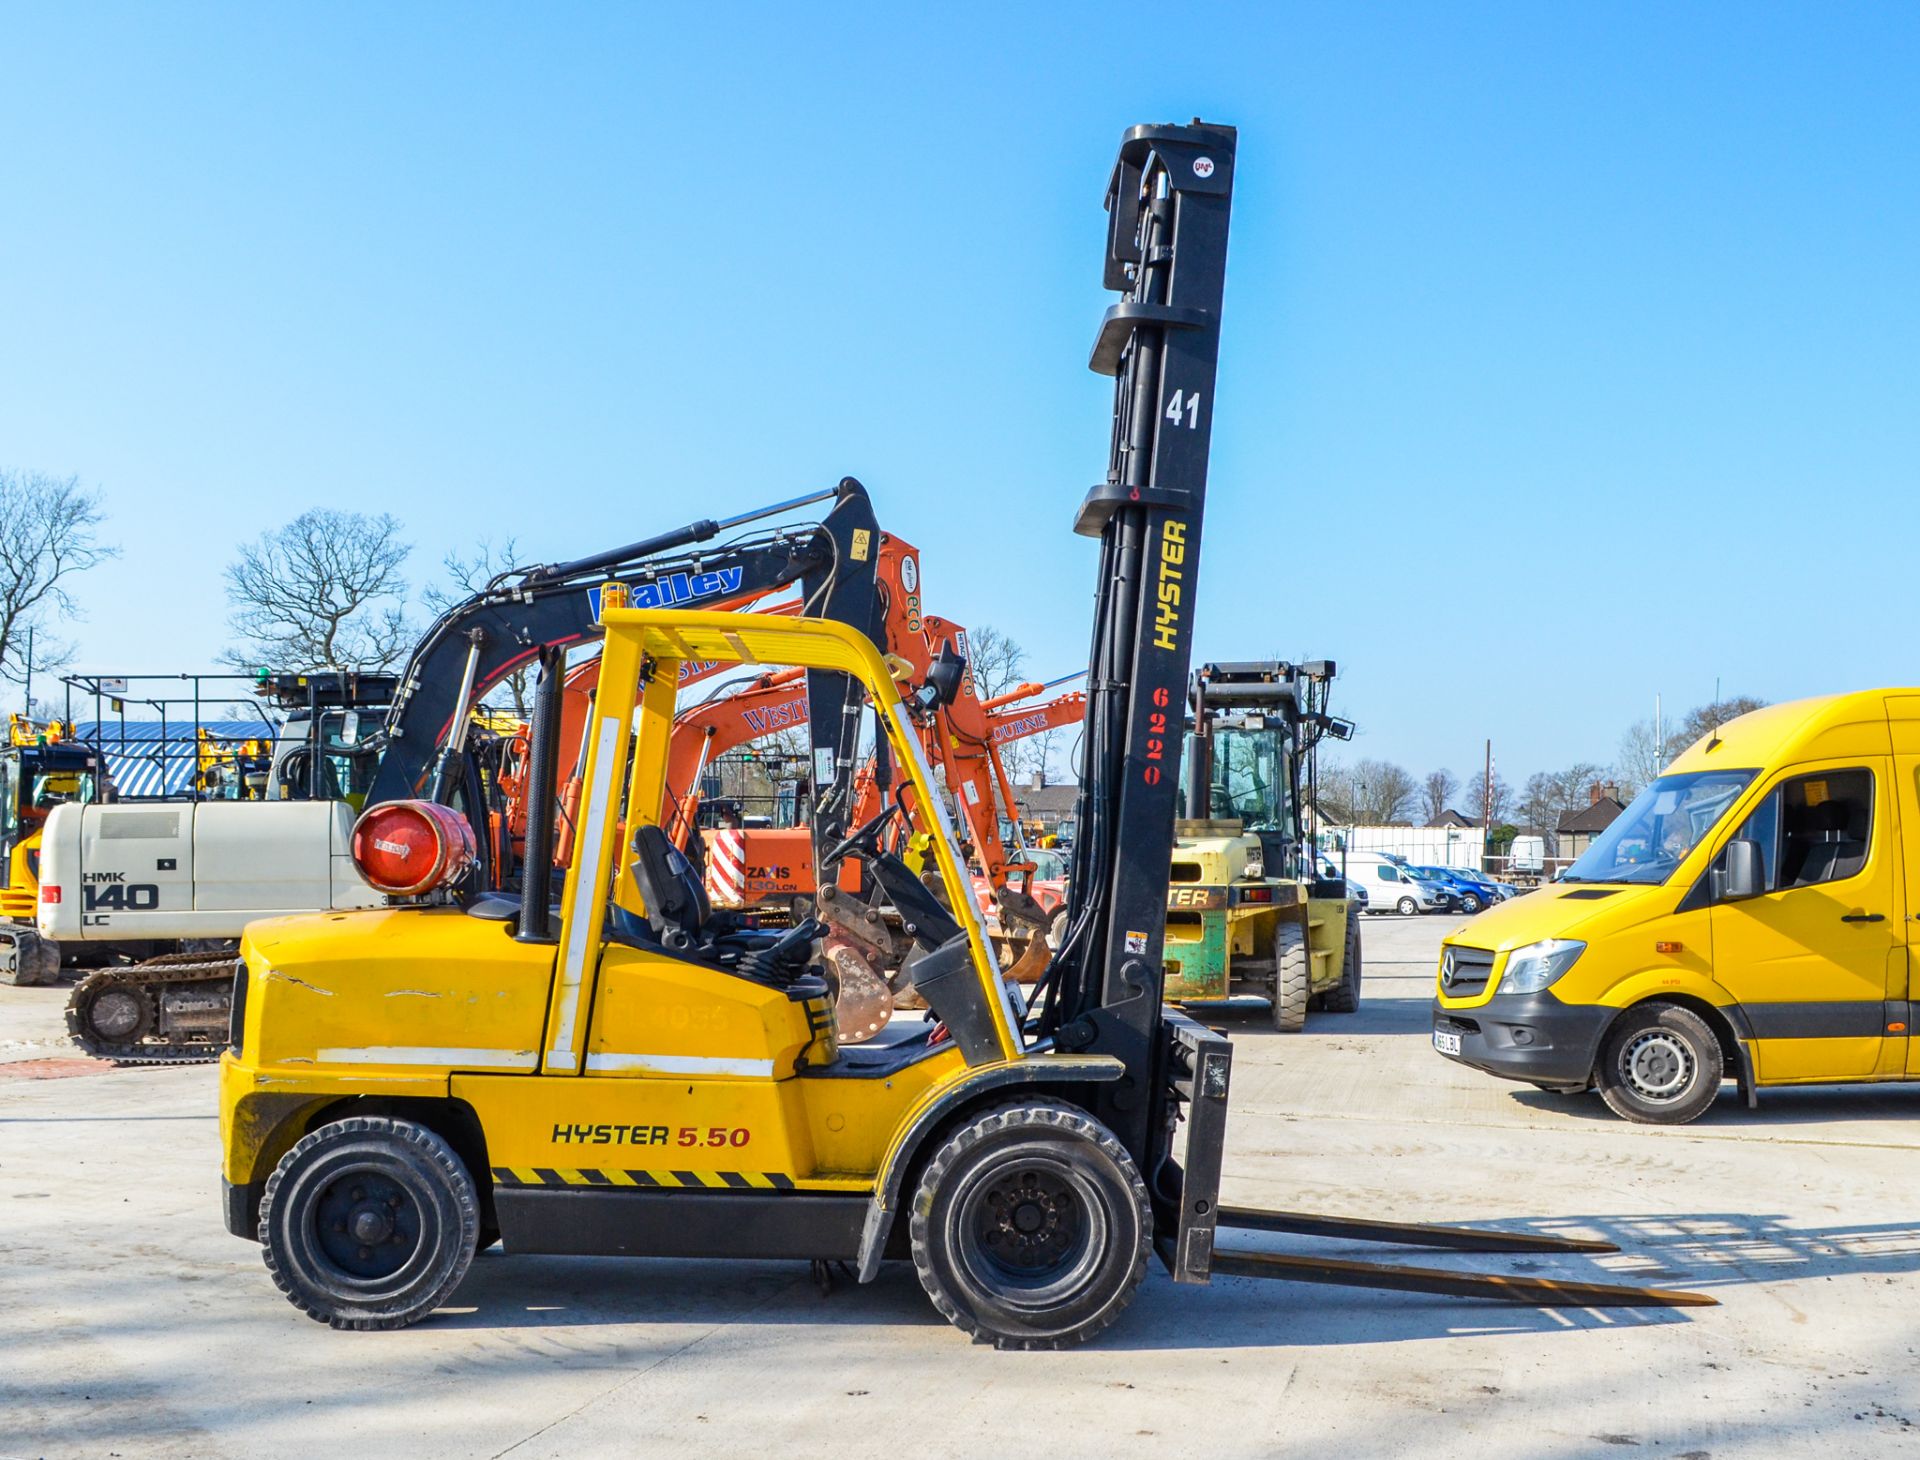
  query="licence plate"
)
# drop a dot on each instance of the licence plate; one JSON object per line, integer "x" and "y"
{"x": 1446, "y": 1041}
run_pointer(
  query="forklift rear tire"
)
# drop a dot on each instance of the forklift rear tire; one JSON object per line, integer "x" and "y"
{"x": 1292, "y": 977}
{"x": 1344, "y": 997}
{"x": 1660, "y": 1064}
{"x": 369, "y": 1223}
{"x": 1031, "y": 1226}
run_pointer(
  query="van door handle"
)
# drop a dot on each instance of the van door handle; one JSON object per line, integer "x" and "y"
{"x": 1863, "y": 917}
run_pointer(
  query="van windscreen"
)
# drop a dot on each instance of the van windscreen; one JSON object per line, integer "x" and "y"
{"x": 1651, "y": 838}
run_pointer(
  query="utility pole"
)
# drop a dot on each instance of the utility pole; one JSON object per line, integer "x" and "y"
{"x": 1486, "y": 794}
{"x": 29, "y": 705}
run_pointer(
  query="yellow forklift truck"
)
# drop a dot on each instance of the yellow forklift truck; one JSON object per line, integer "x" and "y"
{"x": 1247, "y": 909}
{"x": 633, "y": 1073}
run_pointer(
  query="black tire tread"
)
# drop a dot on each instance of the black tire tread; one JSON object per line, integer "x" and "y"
{"x": 1676, "y": 1016}
{"x": 1044, "y": 1115}
{"x": 1344, "y": 997}
{"x": 1292, "y": 977}
{"x": 425, "y": 1144}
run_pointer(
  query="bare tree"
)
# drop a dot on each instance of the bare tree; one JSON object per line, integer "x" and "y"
{"x": 1031, "y": 758}
{"x": 998, "y": 663}
{"x": 1550, "y": 795}
{"x": 1705, "y": 718}
{"x": 1439, "y": 787}
{"x": 49, "y": 530}
{"x": 323, "y": 592}
{"x": 466, "y": 577}
{"x": 1368, "y": 793}
{"x": 1644, "y": 754}
{"x": 1479, "y": 805}
{"x": 1335, "y": 794}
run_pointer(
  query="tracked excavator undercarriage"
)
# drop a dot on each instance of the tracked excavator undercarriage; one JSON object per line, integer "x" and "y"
{"x": 169, "y": 1010}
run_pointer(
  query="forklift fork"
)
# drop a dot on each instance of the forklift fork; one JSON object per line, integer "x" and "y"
{"x": 1199, "y": 1067}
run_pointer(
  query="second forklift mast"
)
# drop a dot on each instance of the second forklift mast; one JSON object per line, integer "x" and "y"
{"x": 1168, "y": 203}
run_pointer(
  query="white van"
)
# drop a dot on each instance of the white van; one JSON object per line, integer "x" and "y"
{"x": 1390, "y": 886}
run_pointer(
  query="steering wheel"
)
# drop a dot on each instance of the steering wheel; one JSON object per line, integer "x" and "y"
{"x": 864, "y": 839}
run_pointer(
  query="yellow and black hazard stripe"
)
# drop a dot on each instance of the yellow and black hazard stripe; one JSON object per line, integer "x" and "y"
{"x": 698, "y": 1180}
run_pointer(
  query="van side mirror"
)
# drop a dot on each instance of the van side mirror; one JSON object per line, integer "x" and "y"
{"x": 1744, "y": 872}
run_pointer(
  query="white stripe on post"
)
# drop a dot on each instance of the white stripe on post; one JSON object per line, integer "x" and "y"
{"x": 587, "y": 882}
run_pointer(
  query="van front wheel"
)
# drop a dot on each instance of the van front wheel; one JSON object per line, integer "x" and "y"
{"x": 1660, "y": 1065}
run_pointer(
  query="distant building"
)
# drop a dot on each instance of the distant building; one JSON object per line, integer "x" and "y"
{"x": 1436, "y": 846}
{"x": 1450, "y": 817}
{"x": 1045, "y": 806}
{"x": 1577, "y": 829}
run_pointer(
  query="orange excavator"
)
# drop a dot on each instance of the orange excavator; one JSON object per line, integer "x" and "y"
{"x": 771, "y": 870}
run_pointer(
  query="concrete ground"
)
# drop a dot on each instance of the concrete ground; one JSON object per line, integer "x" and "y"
{"x": 131, "y": 1324}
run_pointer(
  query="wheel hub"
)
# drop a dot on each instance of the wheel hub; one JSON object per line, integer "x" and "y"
{"x": 367, "y": 1224}
{"x": 1657, "y": 1065}
{"x": 1030, "y": 1221}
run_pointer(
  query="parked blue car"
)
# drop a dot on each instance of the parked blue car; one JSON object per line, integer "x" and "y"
{"x": 1473, "y": 890}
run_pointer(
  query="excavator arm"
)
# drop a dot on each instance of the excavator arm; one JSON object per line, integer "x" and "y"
{"x": 540, "y": 612}
{"x": 882, "y": 601}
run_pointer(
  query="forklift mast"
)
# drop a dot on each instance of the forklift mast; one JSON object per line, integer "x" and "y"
{"x": 1168, "y": 204}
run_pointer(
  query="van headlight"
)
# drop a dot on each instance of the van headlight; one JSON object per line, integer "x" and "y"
{"x": 1532, "y": 968}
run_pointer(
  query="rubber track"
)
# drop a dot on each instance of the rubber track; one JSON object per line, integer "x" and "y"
{"x": 153, "y": 975}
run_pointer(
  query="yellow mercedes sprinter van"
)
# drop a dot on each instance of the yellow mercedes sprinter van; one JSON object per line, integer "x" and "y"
{"x": 1746, "y": 916}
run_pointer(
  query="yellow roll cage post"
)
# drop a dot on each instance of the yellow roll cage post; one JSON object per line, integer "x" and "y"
{"x": 644, "y": 650}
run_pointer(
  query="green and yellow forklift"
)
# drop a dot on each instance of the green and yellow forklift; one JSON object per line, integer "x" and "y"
{"x": 1247, "y": 911}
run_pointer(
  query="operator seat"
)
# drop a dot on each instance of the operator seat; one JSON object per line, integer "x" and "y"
{"x": 682, "y": 921}
{"x": 677, "y": 906}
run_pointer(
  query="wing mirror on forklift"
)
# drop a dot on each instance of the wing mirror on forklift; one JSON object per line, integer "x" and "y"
{"x": 944, "y": 677}
{"x": 1742, "y": 873}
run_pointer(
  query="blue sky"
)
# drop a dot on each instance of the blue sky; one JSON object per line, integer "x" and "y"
{"x": 1570, "y": 353}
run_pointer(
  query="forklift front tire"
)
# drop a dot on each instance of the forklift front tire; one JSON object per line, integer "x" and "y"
{"x": 1031, "y": 1227}
{"x": 369, "y": 1223}
{"x": 1292, "y": 977}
